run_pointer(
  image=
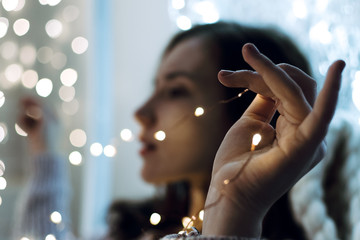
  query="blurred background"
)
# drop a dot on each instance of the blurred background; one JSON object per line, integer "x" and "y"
{"x": 93, "y": 62}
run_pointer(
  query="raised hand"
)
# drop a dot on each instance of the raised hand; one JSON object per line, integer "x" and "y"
{"x": 284, "y": 154}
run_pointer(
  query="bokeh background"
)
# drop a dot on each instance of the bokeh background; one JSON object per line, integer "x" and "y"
{"x": 93, "y": 63}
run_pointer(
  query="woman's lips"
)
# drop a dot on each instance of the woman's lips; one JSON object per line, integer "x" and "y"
{"x": 147, "y": 148}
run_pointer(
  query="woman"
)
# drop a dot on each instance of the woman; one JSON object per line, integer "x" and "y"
{"x": 186, "y": 79}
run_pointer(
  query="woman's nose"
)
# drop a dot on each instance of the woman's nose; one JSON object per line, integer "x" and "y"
{"x": 145, "y": 114}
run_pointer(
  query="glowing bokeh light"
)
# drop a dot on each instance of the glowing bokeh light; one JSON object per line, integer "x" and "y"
{"x": 126, "y": 135}
{"x": 320, "y": 32}
{"x": 186, "y": 222}
{"x": 13, "y": 72}
{"x": 207, "y": 10}
{"x": 75, "y": 158}
{"x": 256, "y": 139}
{"x": 44, "y": 55}
{"x": 160, "y": 135}
{"x": 50, "y": 237}
{"x": 71, "y": 13}
{"x": 29, "y": 78}
{"x": 78, "y": 138}
{"x": 299, "y": 9}
{"x": 44, "y": 87}
{"x": 9, "y": 50}
{"x": 24, "y": 238}
{"x": 96, "y": 149}
{"x": 0, "y": 201}
{"x": 109, "y": 151}
{"x": 155, "y": 219}
{"x": 28, "y": 55}
{"x": 10, "y": 5}
{"x": 2, "y": 98}
{"x": 3, "y": 183}
{"x": 356, "y": 90}
{"x": 183, "y": 22}
{"x": 53, "y": 2}
{"x": 58, "y": 60}
{"x": 70, "y": 108}
{"x": 56, "y": 217}
{"x": 4, "y": 25}
{"x": 79, "y": 45}
{"x": 20, "y": 131}
{"x": 54, "y": 28}
{"x": 68, "y": 77}
{"x": 20, "y": 5}
{"x": 66, "y": 94}
{"x": 21, "y": 26}
{"x": 178, "y": 4}
{"x": 199, "y": 111}
{"x": 3, "y": 132}
{"x": 201, "y": 215}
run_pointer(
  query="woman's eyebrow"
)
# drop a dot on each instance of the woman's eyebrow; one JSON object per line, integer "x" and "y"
{"x": 173, "y": 75}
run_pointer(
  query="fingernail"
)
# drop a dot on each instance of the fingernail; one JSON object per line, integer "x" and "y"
{"x": 225, "y": 73}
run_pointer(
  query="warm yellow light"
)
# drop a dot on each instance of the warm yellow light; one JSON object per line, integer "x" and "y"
{"x": 75, "y": 158}
{"x": 56, "y": 217}
{"x": 20, "y": 131}
{"x": 3, "y": 183}
{"x": 255, "y": 141}
{"x": 109, "y": 151}
{"x": 155, "y": 219}
{"x": 187, "y": 222}
{"x": 79, "y": 45}
{"x": 201, "y": 215}
{"x": 160, "y": 135}
{"x": 44, "y": 87}
{"x": 199, "y": 111}
{"x": 96, "y": 149}
{"x": 126, "y": 135}
{"x": 226, "y": 181}
{"x": 78, "y": 138}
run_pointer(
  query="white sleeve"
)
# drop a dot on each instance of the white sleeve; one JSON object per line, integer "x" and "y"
{"x": 46, "y": 193}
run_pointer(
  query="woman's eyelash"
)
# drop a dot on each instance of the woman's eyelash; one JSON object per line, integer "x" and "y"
{"x": 177, "y": 92}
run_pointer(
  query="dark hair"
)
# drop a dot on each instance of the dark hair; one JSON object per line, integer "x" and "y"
{"x": 225, "y": 40}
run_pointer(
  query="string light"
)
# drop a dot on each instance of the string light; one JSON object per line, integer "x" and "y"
{"x": 109, "y": 151}
{"x": 56, "y": 217}
{"x": 50, "y": 237}
{"x": 126, "y": 135}
{"x": 255, "y": 141}
{"x": 155, "y": 219}
{"x": 160, "y": 135}
{"x": 199, "y": 111}
{"x": 3, "y": 183}
{"x": 75, "y": 158}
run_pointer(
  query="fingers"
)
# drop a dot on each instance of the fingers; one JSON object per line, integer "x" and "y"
{"x": 261, "y": 108}
{"x": 316, "y": 124}
{"x": 272, "y": 81}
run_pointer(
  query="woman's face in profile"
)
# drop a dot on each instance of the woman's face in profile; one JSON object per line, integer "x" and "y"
{"x": 186, "y": 79}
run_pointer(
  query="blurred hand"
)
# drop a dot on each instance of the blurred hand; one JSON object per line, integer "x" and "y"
{"x": 283, "y": 156}
{"x": 40, "y": 124}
